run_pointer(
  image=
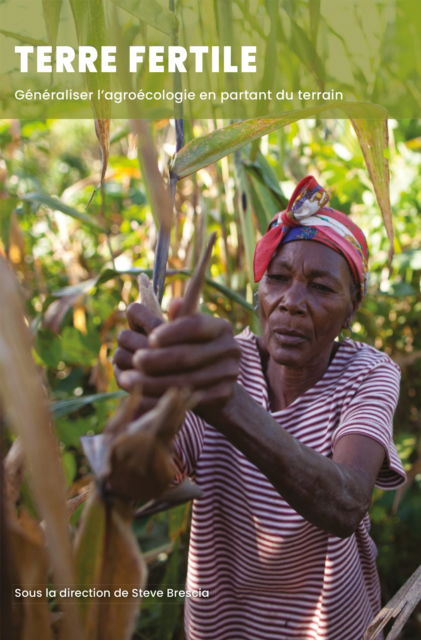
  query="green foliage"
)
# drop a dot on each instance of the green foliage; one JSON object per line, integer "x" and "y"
{"x": 151, "y": 13}
{"x": 52, "y": 10}
{"x": 78, "y": 280}
{"x": 56, "y": 205}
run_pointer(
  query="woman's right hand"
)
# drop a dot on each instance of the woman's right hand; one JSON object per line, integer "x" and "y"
{"x": 196, "y": 351}
{"x": 141, "y": 323}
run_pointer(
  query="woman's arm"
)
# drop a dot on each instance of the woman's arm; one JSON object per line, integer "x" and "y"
{"x": 333, "y": 494}
{"x": 200, "y": 352}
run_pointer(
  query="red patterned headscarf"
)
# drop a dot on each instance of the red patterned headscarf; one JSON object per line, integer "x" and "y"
{"x": 308, "y": 218}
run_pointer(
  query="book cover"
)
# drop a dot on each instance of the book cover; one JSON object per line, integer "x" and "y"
{"x": 130, "y": 131}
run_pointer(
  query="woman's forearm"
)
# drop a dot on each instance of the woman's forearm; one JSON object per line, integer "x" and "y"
{"x": 331, "y": 496}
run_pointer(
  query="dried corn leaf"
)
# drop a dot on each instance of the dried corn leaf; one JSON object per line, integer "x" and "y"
{"x": 102, "y": 130}
{"x": 185, "y": 491}
{"x": 108, "y": 557}
{"x": 29, "y": 571}
{"x": 75, "y": 501}
{"x": 141, "y": 464}
{"x": 160, "y": 199}
{"x": 28, "y": 415}
{"x": 89, "y": 548}
{"x": 123, "y": 567}
{"x": 191, "y": 298}
{"x": 96, "y": 448}
{"x": 157, "y": 191}
{"x": 16, "y": 249}
{"x": 13, "y": 472}
{"x": 147, "y": 295}
{"x": 373, "y": 138}
{"x": 79, "y": 318}
{"x": 56, "y": 311}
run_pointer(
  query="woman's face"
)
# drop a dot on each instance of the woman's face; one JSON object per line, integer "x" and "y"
{"x": 305, "y": 300}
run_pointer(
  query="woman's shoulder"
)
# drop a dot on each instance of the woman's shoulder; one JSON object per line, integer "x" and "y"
{"x": 250, "y": 356}
{"x": 248, "y": 343}
{"x": 357, "y": 360}
{"x": 246, "y": 337}
{"x": 349, "y": 351}
{"x": 357, "y": 351}
{"x": 353, "y": 359}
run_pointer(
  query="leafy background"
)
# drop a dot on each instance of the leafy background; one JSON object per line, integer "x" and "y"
{"x": 367, "y": 51}
{"x": 76, "y": 260}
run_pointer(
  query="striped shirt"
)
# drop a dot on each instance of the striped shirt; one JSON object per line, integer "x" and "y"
{"x": 270, "y": 573}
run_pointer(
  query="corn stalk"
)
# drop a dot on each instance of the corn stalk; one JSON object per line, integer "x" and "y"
{"x": 104, "y": 552}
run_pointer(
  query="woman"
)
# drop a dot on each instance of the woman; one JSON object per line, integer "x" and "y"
{"x": 293, "y": 431}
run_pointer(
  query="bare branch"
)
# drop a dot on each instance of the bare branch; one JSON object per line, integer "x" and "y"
{"x": 399, "y": 607}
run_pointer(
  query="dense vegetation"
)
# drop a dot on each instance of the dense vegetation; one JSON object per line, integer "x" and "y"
{"x": 76, "y": 257}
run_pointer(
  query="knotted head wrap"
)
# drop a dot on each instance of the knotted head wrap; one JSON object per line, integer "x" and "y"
{"x": 308, "y": 218}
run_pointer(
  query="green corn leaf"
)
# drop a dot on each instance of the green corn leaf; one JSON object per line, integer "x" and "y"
{"x": 65, "y": 407}
{"x": 90, "y": 25}
{"x": 57, "y": 205}
{"x": 106, "y": 275}
{"x": 21, "y": 38}
{"x": 263, "y": 202}
{"x": 303, "y": 47}
{"x": 264, "y": 171}
{"x": 314, "y": 10}
{"x": 230, "y": 294}
{"x": 151, "y": 12}
{"x": 226, "y": 36}
{"x": 51, "y": 10}
{"x": 275, "y": 33}
{"x": 120, "y": 135}
{"x": 7, "y": 207}
{"x": 246, "y": 220}
{"x": 206, "y": 150}
{"x": 79, "y": 17}
{"x": 109, "y": 274}
{"x": 75, "y": 289}
{"x": 373, "y": 139}
{"x": 89, "y": 19}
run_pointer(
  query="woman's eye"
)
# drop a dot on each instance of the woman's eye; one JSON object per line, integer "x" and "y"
{"x": 277, "y": 276}
{"x": 321, "y": 287}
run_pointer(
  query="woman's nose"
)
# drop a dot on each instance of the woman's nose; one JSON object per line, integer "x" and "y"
{"x": 293, "y": 299}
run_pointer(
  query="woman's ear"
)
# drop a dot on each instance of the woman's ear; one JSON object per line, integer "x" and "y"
{"x": 348, "y": 321}
{"x": 350, "y": 316}
{"x": 354, "y": 303}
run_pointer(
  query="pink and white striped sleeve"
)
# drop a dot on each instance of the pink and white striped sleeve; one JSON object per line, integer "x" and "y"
{"x": 188, "y": 445}
{"x": 370, "y": 413}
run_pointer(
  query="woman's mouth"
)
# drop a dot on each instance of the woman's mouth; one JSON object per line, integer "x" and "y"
{"x": 289, "y": 337}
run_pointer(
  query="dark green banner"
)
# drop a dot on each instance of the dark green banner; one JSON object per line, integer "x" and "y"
{"x": 209, "y": 58}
